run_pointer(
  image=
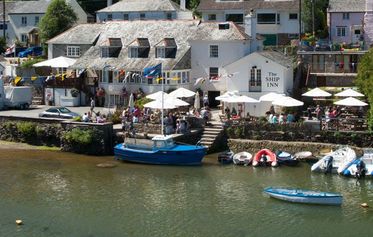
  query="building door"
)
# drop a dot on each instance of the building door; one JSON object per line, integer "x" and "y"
{"x": 356, "y": 34}
{"x": 270, "y": 39}
{"x": 212, "y": 102}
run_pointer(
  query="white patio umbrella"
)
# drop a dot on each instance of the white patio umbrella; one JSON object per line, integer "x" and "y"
{"x": 349, "y": 93}
{"x": 287, "y": 101}
{"x": 271, "y": 96}
{"x": 227, "y": 95}
{"x": 157, "y": 104}
{"x": 197, "y": 101}
{"x": 350, "y": 101}
{"x": 131, "y": 103}
{"x": 158, "y": 95}
{"x": 59, "y": 62}
{"x": 182, "y": 93}
{"x": 178, "y": 102}
{"x": 240, "y": 99}
{"x": 317, "y": 92}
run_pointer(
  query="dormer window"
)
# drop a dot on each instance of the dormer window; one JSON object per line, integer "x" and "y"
{"x": 112, "y": 48}
{"x": 167, "y": 48}
{"x": 224, "y": 26}
{"x": 139, "y": 48}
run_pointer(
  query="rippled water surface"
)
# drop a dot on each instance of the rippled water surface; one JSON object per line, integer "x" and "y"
{"x": 61, "y": 194}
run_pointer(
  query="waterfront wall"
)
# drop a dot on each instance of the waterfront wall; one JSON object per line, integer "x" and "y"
{"x": 253, "y": 146}
{"x": 78, "y": 137}
{"x": 298, "y": 132}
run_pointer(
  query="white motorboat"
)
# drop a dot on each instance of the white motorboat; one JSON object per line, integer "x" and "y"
{"x": 362, "y": 166}
{"x": 242, "y": 158}
{"x": 335, "y": 161}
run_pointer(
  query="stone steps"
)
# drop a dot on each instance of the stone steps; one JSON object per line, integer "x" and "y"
{"x": 210, "y": 133}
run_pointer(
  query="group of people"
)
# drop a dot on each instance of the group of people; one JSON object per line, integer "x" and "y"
{"x": 282, "y": 118}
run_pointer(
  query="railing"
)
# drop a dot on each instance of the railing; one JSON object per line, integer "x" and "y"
{"x": 333, "y": 67}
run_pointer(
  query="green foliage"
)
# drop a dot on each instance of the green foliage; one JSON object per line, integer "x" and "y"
{"x": 320, "y": 7}
{"x": 26, "y": 129}
{"x": 140, "y": 102}
{"x": 364, "y": 81}
{"x": 79, "y": 136}
{"x": 2, "y": 45}
{"x": 115, "y": 117}
{"x": 58, "y": 18}
{"x": 30, "y": 62}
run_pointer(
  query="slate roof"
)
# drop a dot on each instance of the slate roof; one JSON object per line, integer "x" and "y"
{"x": 247, "y": 5}
{"x": 142, "y": 6}
{"x": 8, "y": 7}
{"x": 346, "y": 6}
{"x": 182, "y": 31}
{"x": 277, "y": 57}
{"x": 30, "y": 7}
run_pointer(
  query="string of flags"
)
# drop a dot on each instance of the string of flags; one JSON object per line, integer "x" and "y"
{"x": 17, "y": 80}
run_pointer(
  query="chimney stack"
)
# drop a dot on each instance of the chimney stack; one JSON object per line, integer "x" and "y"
{"x": 182, "y": 5}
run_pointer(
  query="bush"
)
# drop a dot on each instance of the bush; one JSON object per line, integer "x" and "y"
{"x": 140, "y": 102}
{"x": 83, "y": 140}
{"x": 26, "y": 129}
{"x": 115, "y": 117}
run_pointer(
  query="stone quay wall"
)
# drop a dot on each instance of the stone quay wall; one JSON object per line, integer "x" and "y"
{"x": 78, "y": 137}
{"x": 253, "y": 146}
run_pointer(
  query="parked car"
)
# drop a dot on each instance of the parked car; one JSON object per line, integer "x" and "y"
{"x": 32, "y": 51}
{"x": 59, "y": 112}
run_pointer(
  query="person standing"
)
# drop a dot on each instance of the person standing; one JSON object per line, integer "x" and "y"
{"x": 205, "y": 100}
{"x": 92, "y": 104}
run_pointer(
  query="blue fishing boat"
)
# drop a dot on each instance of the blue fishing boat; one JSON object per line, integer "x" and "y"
{"x": 161, "y": 150}
{"x": 304, "y": 196}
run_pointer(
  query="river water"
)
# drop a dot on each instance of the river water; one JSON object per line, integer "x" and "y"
{"x": 62, "y": 194}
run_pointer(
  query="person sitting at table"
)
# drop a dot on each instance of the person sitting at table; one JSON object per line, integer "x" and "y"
{"x": 227, "y": 112}
{"x": 275, "y": 119}
{"x": 290, "y": 118}
{"x": 282, "y": 119}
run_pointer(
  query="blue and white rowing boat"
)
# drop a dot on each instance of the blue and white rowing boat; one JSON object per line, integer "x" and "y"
{"x": 304, "y": 196}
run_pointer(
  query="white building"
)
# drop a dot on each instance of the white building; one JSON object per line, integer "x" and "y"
{"x": 258, "y": 74}
{"x": 24, "y": 17}
{"x": 118, "y": 51}
{"x": 276, "y": 20}
{"x": 144, "y": 10}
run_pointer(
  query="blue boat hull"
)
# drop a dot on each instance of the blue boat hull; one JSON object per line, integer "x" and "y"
{"x": 305, "y": 196}
{"x": 179, "y": 155}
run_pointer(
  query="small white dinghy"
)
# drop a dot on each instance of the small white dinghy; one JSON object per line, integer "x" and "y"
{"x": 242, "y": 158}
{"x": 305, "y": 196}
{"x": 336, "y": 161}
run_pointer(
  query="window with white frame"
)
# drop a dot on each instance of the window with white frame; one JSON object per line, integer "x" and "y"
{"x": 73, "y": 51}
{"x": 341, "y": 31}
{"x": 109, "y": 17}
{"x": 214, "y": 73}
{"x": 125, "y": 17}
{"x": 169, "y": 16}
{"x": 142, "y": 16}
{"x": 268, "y": 18}
{"x": 37, "y": 19}
{"x": 133, "y": 52}
{"x": 255, "y": 82}
{"x": 24, "y": 38}
{"x": 24, "y": 20}
{"x": 346, "y": 16}
{"x": 214, "y": 51}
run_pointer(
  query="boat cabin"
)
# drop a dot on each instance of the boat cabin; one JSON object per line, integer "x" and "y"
{"x": 157, "y": 142}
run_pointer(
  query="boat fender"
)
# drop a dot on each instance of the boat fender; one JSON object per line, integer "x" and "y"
{"x": 274, "y": 163}
{"x": 255, "y": 163}
{"x": 346, "y": 173}
{"x": 19, "y": 222}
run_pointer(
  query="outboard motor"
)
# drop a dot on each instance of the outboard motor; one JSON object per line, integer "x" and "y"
{"x": 360, "y": 170}
{"x": 263, "y": 160}
{"x": 329, "y": 165}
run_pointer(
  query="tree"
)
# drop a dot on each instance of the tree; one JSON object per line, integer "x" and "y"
{"x": 58, "y": 18}
{"x": 319, "y": 19}
{"x": 364, "y": 81}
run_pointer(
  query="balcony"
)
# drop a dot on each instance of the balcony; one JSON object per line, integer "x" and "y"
{"x": 333, "y": 69}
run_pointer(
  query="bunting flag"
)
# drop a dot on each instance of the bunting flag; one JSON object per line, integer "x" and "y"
{"x": 17, "y": 79}
{"x": 176, "y": 78}
{"x": 34, "y": 78}
{"x": 152, "y": 72}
